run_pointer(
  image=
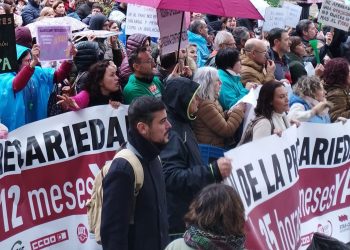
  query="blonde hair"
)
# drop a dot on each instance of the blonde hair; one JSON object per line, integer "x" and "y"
{"x": 307, "y": 86}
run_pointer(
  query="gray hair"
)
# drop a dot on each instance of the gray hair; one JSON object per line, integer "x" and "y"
{"x": 307, "y": 86}
{"x": 196, "y": 25}
{"x": 221, "y": 38}
{"x": 206, "y": 77}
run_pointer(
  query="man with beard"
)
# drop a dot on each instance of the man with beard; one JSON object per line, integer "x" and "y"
{"x": 279, "y": 47}
{"x": 143, "y": 81}
{"x": 147, "y": 135}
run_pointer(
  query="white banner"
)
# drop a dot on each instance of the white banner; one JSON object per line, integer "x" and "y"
{"x": 274, "y": 18}
{"x": 295, "y": 185}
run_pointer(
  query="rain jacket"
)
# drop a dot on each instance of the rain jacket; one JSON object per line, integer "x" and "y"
{"x": 202, "y": 49}
{"x": 28, "y": 104}
{"x": 232, "y": 89}
{"x": 184, "y": 171}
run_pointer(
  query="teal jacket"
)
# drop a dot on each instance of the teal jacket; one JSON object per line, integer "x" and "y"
{"x": 232, "y": 89}
{"x": 29, "y": 104}
{"x": 135, "y": 88}
{"x": 202, "y": 49}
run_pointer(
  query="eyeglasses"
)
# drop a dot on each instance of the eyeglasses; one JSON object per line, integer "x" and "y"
{"x": 262, "y": 52}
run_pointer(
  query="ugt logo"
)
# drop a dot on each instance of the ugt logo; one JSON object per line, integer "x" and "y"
{"x": 82, "y": 233}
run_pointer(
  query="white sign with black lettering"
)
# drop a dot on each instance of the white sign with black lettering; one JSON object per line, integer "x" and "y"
{"x": 335, "y": 14}
{"x": 292, "y": 15}
{"x": 141, "y": 19}
{"x": 274, "y": 18}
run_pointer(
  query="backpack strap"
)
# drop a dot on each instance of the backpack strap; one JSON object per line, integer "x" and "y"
{"x": 136, "y": 165}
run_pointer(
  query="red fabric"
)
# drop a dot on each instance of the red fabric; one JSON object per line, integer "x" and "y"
{"x": 62, "y": 72}
{"x": 22, "y": 78}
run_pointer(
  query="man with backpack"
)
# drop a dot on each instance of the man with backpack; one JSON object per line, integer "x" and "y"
{"x": 129, "y": 220}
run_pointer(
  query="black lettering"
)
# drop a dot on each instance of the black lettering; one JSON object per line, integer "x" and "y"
{"x": 20, "y": 160}
{"x": 96, "y": 126}
{"x": 331, "y": 152}
{"x": 244, "y": 185}
{"x": 346, "y": 147}
{"x": 69, "y": 142}
{"x": 289, "y": 163}
{"x": 114, "y": 127}
{"x": 33, "y": 151}
{"x": 53, "y": 141}
{"x": 252, "y": 181}
{"x": 270, "y": 188}
{"x": 305, "y": 152}
{"x": 338, "y": 150}
{"x": 80, "y": 137}
{"x": 321, "y": 146}
{"x": 8, "y": 155}
{"x": 277, "y": 171}
{"x": 295, "y": 160}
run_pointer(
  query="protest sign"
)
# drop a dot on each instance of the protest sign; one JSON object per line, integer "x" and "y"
{"x": 47, "y": 170}
{"x": 295, "y": 187}
{"x": 8, "y": 56}
{"x": 274, "y": 18}
{"x": 54, "y": 42}
{"x": 141, "y": 19}
{"x": 169, "y": 26}
{"x": 335, "y": 14}
{"x": 293, "y": 12}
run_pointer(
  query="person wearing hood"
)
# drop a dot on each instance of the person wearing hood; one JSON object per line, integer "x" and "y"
{"x": 134, "y": 41}
{"x": 198, "y": 34}
{"x": 25, "y": 93}
{"x": 184, "y": 171}
{"x": 147, "y": 134}
{"x": 85, "y": 9}
{"x": 31, "y": 12}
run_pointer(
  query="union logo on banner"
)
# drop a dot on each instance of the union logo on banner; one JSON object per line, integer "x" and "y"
{"x": 82, "y": 233}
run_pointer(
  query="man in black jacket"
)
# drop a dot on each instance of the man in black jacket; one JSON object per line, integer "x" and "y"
{"x": 184, "y": 171}
{"x": 147, "y": 135}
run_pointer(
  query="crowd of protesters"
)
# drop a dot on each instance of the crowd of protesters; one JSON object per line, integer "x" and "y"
{"x": 200, "y": 87}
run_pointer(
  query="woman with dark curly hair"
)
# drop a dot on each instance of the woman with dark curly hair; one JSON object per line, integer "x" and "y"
{"x": 337, "y": 84}
{"x": 270, "y": 112}
{"x": 215, "y": 220}
{"x": 102, "y": 87}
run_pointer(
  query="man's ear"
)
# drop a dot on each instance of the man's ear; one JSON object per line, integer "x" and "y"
{"x": 142, "y": 128}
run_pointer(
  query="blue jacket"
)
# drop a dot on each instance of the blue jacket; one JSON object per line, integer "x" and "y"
{"x": 317, "y": 118}
{"x": 231, "y": 90}
{"x": 202, "y": 49}
{"x": 30, "y": 12}
{"x": 29, "y": 104}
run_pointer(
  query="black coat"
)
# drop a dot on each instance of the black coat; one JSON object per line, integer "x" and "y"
{"x": 184, "y": 171}
{"x": 150, "y": 230}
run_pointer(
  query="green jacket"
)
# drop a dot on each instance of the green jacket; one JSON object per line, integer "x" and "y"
{"x": 135, "y": 88}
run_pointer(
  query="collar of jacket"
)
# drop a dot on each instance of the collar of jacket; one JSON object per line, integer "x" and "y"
{"x": 246, "y": 61}
{"x": 145, "y": 148}
{"x": 275, "y": 57}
